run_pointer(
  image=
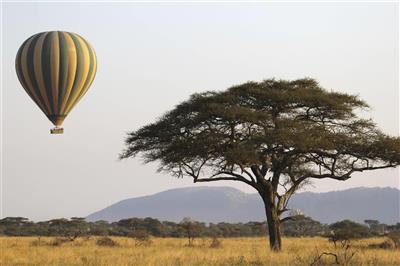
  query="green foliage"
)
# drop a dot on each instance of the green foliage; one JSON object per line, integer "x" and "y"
{"x": 395, "y": 227}
{"x": 375, "y": 227}
{"x": 263, "y": 123}
{"x": 142, "y": 229}
{"x": 301, "y": 225}
{"x": 346, "y": 230}
{"x": 191, "y": 228}
{"x": 16, "y": 226}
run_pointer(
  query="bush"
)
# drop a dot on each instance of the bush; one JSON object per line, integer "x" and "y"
{"x": 58, "y": 241}
{"x": 346, "y": 230}
{"x": 106, "y": 242}
{"x": 395, "y": 237}
{"x": 384, "y": 245}
{"x": 349, "y": 229}
{"x": 142, "y": 238}
{"x": 37, "y": 242}
{"x": 215, "y": 243}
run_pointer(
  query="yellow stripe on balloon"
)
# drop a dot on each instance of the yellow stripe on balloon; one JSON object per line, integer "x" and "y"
{"x": 90, "y": 79}
{"x": 85, "y": 63}
{"x": 72, "y": 63}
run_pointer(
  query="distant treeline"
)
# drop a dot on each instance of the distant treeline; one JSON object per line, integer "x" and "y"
{"x": 299, "y": 225}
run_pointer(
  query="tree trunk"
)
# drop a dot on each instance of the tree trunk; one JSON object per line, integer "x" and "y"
{"x": 274, "y": 229}
{"x": 273, "y": 221}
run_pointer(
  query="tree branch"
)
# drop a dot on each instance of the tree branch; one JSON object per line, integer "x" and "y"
{"x": 286, "y": 219}
{"x": 373, "y": 167}
{"x": 257, "y": 173}
{"x": 247, "y": 173}
{"x": 222, "y": 178}
{"x": 346, "y": 175}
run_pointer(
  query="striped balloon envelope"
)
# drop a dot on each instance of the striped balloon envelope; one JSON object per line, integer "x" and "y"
{"x": 56, "y": 69}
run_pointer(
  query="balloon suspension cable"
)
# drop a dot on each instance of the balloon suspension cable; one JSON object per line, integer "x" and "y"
{"x": 57, "y": 130}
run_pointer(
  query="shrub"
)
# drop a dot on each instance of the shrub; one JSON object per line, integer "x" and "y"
{"x": 37, "y": 242}
{"x": 215, "y": 243}
{"x": 384, "y": 245}
{"x": 106, "y": 242}
{"x": 395, "y": 237}
{"x": 142, "y": 238}
{"x": 346, "y": 230}
{"x": 58, "y": 241}
{"x": 349, "y": 230}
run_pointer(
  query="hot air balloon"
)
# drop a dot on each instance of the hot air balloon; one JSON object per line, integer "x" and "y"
{"x": 56, "y": 69}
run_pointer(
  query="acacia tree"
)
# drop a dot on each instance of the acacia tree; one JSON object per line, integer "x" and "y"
{"x": 273, "y": 135}
{"x": 191, "y": 228}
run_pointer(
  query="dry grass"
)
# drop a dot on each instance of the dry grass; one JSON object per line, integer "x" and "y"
{"x": 169, "y": 251}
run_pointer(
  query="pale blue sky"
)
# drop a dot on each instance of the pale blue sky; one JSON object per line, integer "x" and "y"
{"x": 151, "y": 57}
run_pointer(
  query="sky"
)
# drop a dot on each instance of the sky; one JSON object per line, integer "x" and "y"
{"x": 152, "y": 57}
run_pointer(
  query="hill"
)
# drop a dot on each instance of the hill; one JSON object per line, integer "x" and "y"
{"x": 226, "y": 204}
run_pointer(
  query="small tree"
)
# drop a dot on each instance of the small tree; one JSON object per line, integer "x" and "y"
{"x": 375, "y": 227}
{"x": 78, "y": 227}
{"x": 273, "y": 135}
{"x": 191, "y": 228}
{"x": 346, "y": 230}
{"x": 16, "y": 226}
{"x": 301, "y": 225}
{"x": 142, "y": 237}
{"x": 70, "y": 229}
{"x": 100, "y": 228}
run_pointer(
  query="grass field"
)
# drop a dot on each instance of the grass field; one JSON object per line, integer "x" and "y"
{"x": 170, "y": 251}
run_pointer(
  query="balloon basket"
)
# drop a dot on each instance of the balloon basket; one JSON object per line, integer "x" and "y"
{"x": 57, "y": 130}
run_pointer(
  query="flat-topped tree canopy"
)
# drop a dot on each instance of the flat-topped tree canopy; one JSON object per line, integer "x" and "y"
{"x": 267, "y": 124}
{"x": 268, "y": 134}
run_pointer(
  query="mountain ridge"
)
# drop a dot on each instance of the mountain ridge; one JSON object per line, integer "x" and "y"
{"x": 227, "y": 204}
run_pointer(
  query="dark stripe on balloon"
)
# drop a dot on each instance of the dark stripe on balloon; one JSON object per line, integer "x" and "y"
{"x": 46, "y": 69}
{"x": 18, "y": 68}
{"x": 37, "y": 64}
{"x": 19, "y": 62}
{"x": 31, "y": 71}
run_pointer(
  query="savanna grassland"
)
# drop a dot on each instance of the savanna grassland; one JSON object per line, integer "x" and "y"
{"x": 174, "y": 251}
